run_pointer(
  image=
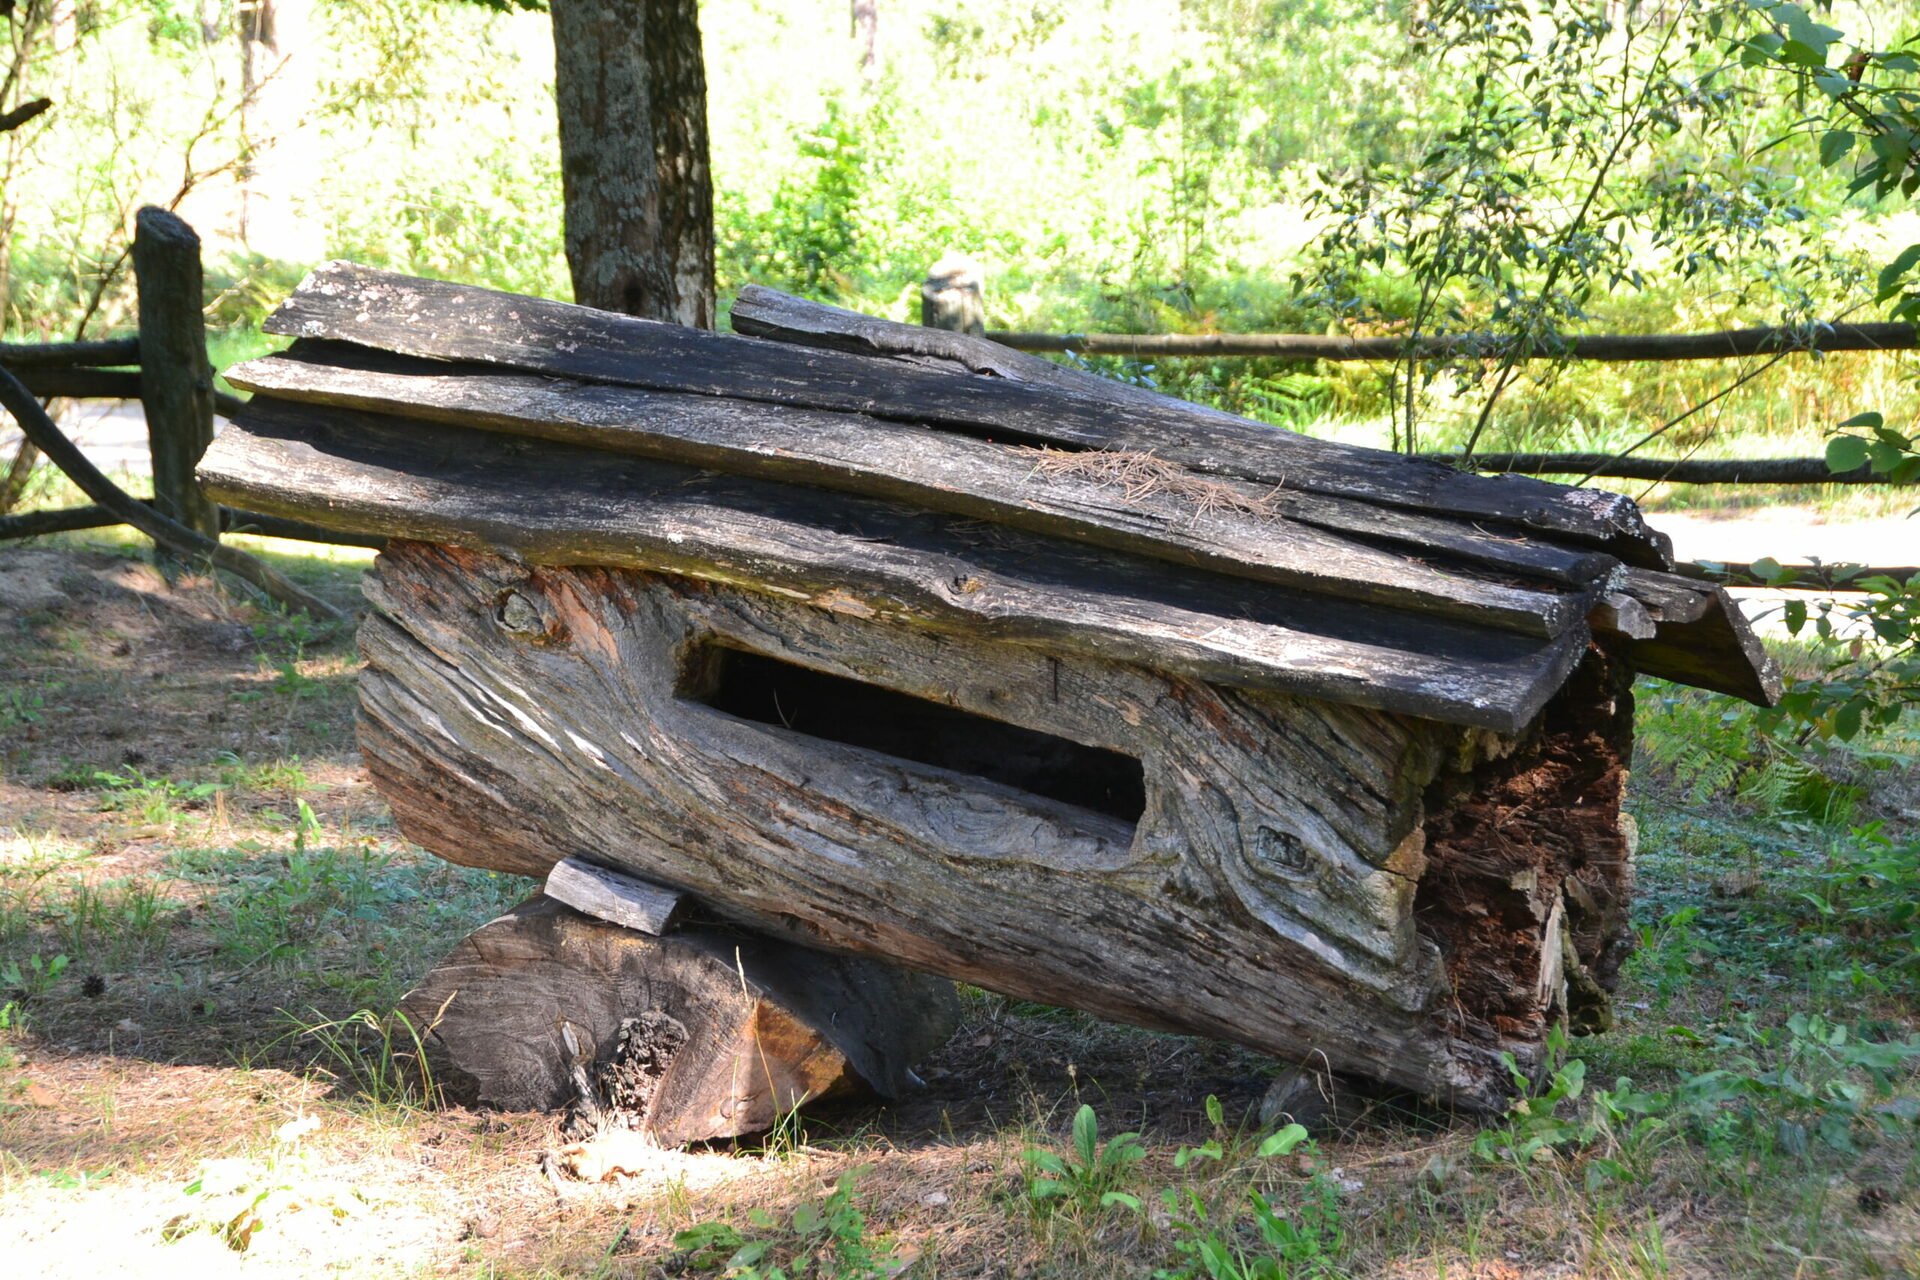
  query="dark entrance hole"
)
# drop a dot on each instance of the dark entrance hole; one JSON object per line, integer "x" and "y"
{"x": 818, "y": 705}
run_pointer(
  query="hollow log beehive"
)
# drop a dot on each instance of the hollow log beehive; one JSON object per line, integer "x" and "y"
{"x": 894, "y": 643}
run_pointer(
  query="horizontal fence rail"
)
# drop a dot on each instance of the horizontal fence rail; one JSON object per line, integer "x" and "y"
{"x": 1616, "y": 347}
{"x": 1674, "y": 470}
{"x": 57, "y": 355}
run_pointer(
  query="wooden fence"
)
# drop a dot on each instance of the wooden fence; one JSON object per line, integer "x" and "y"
{"x": 167, "y": 369}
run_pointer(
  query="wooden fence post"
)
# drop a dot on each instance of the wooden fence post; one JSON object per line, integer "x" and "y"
{"x": 176, "y": 377}
{"x": 953, "y": 296}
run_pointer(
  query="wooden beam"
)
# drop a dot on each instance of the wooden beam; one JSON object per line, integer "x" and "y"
{"x": 558, "y": 504}
{"x": 1672, "y": 470}
{"x": 1728, "y": 344}
{"x": 1803, "y": 577}
{"x": 54, "y": 382}
{"x": 34, "y": 524}
{"x": 176, "y": 379}
{"x": 614, "y": 896}
{"x": 60, "y": 355}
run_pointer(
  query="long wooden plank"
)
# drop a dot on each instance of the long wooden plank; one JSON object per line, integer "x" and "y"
{"x": 779, "y": 317}
{"x": 1171, "y": 514}
{"x": 1701, "y": 637}
{"x": 455, "y": 322}
{"x": 631, "y": 411}
{"x": 557, "y": 504}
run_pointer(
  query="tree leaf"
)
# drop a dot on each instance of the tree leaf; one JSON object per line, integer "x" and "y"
{"x": 1834, "y": 146}
{"x": 1846, "y": 453}
{"x": 1280, "y": 1143}
{"x": 1086, "y": 1134}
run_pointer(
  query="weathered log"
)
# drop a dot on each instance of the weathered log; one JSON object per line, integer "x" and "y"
{"x": 1067, "y": 829}
{"x": 707, "y": 1032}
{"x": 452, "y": 322}
{"x": 1126, "y": 502}
{"x": 606, "y": 894}
{"x": 855, "y": 557}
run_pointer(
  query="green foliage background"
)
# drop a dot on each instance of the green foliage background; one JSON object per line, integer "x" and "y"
{"x": 1141, "y": 165}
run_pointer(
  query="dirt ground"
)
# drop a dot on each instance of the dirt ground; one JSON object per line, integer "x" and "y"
{"x": 199, "y": 891}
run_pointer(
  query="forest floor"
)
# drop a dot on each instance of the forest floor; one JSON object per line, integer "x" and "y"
{"x": 199, "y": 893}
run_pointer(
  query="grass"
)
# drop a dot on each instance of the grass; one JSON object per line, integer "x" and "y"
{"x": 205, "y": 915}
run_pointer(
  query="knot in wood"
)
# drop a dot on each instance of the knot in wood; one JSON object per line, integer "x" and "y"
{"x": 1281, "y": 849}
{"x": 518, "y": 615}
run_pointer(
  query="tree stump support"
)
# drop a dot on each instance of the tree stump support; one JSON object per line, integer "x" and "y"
{"x": 708, "y": 1031}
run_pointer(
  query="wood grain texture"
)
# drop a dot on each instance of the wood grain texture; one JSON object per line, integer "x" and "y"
{"x": 454, "y": 322}
{"x": 1712, "y": 646}
{"x": 746, "y": 1028}
{"x": 1265, "y": 895}
{"x": 1700, "y": 637}
{"x": 555, "y": 504}
{"x": 606, "y": 894}
{"x": 1228, "y": 527}
{"x": 176, "y": 378}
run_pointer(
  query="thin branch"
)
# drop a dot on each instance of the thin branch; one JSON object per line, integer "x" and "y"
{"x": 188, "y": 544}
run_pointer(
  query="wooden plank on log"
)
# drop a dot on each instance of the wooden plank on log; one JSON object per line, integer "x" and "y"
{"x": 779, "y": 317}
{"x": 706, "y": 1033}
{"x": 613, "y": 896}
{"x": 1701, "y": 637}
{"x": 454, "y": 322}
{"x": 556, "y": 504}
{"x": 1267, "y": 892}
{"x": 1132, "y": 504}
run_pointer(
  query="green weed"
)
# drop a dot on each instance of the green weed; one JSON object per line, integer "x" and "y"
{"x": 32, "y": 980}
{"x": 381, "y": 1060}
{"x": 1255, "y": 1238}
{"x": 1090, "y": 1175}
{"x": 825, "y": 1238}
{"x": 237, "y": 1198}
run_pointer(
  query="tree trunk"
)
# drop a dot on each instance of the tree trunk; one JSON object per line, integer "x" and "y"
{"x": 1316, "y": 881}
{"x": 631, "y": 89}
{"x": 707, "y": 1032}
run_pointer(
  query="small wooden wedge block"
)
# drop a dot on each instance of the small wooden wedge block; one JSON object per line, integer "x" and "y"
{"x": 614, "y": 896}
{"x": 707, "y": 1032}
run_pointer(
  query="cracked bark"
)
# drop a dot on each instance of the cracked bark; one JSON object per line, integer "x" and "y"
{"x": 631, "y": 90}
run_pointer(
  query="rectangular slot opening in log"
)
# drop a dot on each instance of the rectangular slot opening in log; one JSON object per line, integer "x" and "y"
{"x": 812, "y": 703}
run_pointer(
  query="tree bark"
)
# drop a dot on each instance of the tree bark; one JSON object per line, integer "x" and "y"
{"x": 1062, "y": 829}
{"x": 631, "y": 89}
